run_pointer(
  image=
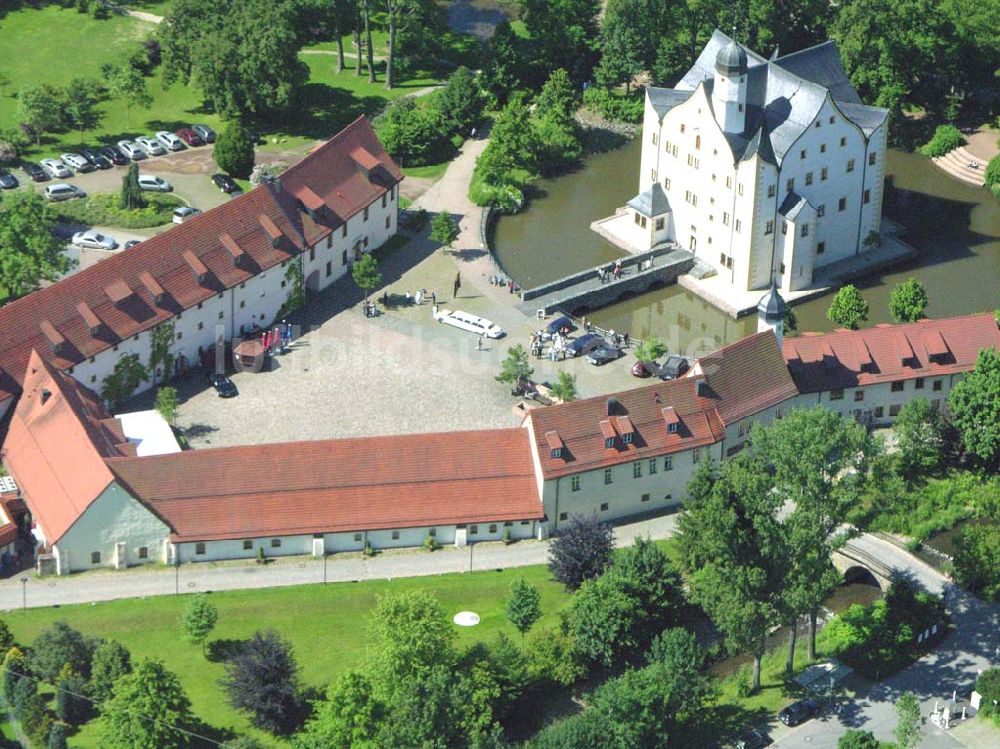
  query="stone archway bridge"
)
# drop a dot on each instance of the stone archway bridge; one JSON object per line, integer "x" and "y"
{"x": 858, "y": 556}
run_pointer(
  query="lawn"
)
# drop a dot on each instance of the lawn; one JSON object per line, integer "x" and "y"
{"x": 325, "y": 624}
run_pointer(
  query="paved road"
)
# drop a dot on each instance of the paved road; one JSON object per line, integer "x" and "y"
{"x": 953, "y": 666}
{"x": 194, "y": 577}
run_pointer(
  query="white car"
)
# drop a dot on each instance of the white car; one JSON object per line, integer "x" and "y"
{"x": 169, "y": 140}
{"x": 55, "y": 168}
{"x": 473, "y": 324}
{"x": 152, "y": 183}
{"x": 131, "y": 150}
{"x": 183, "y": 213}
{"x": 62, "y": 191}
{"x": 94, "y": 240}
{"x": 150, "y": 146}
{"x": 78, "y": 162}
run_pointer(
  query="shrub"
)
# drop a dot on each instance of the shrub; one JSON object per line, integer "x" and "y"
{"x": 613, "y": 105}
{"x": 233, "y": 150}
{"x": 992, "y": 175}
{"x": 977, "y": 560}
{"x": 431, "y": 543}
{"x": 414, "y": 134}
{"x": 103, "y": 209}
{"x": 988, "y": 685}
{"x": 581, "y": 551}
{"x": 946, "y": 138}
{"x": 744, "y": 682}
{"x": 99, "y": 10}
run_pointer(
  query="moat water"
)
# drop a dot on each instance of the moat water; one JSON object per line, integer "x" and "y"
{"x": 955, "y": 228}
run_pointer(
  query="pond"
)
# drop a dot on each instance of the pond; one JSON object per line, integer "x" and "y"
{"x": 955, "y": 228}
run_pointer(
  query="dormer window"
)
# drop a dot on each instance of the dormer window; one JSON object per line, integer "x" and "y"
{"x": 627, "y": 438}
{"x": 609, "y": 442}
{"x": 555, "y": 444}
{"x": 672, "y": 428}
{"x": 609, "y": 433}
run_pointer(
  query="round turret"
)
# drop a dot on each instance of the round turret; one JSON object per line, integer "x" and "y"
{"x": 731, "y": 61}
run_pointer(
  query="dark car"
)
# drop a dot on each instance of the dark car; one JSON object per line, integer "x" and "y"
{"x": 131, "y": 243}
{"x": 8, "y": 181}
{"x": 224, "y": 387}
{"x": 225, "y": 183}
{"x": 673, "y": 367}
{"x": 114, "y": 155}
{"x": 96, "y": 158}
{"x": 190, "y": 137}
{"x": 206, "y": 133}
{"x": 560, "y": 325}
{"x": 753, "y": 739}
{"x": 36, "y": 173}
{"x": 603, "y": 354}
{"x": 584, "y": 344}
{"x": 799, "y": 712}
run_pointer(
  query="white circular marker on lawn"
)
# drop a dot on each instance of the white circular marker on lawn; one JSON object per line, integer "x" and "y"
{"x": 466, "y": 619}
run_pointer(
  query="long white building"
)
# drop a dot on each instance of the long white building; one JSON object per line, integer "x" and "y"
{"x": 763, "y": 168}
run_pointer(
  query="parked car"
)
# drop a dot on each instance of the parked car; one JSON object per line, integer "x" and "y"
{"x": 95, "y": 157}
{"x": 645, "y": 369}
{"x": 584, "y": 344}
{"x": 8, "y": 181}
{"x": 131, "y": 150}
{"x": 150, "y": 146}
{"x": 673, "y": 367}
{"x": 224, "y": 387}
{"x": 559, "y": 325}
{"x": 190, "y": 137}
{"x": 131, "y": 243}
{"x": 206, "y": 133}
{"x": 183, "y": 213}
{"x": 152, "y": 183}
{"x": 55, "y": 168}
{"x": 78, "y": 162}
{"x": 753, "y": 739}
{"x": 604, "y": 354}
{"x": 35, "y": 172}
{"x": 799, "y": 712}
{"x": 93, "y": 239}
{"x": 114, "y": 155}
{"x": 170, "y": 141}
{"x": 225, "y": 183}
{"x": 62, "y": 191}
{"x": 471, "y": 323}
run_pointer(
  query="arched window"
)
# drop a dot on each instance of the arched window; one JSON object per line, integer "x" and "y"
{"x": 697, "y": 142}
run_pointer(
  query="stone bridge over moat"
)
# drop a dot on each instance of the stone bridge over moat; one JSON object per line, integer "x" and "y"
{"x": 855, "y": 562}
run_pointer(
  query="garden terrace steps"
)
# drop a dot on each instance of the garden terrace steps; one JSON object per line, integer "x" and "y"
{"x": 956, "y": 163}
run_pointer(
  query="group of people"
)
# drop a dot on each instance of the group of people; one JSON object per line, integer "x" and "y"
{"x": 409, "y": 298}
{"x": 557, "y": 351}
{"x": 618, "y": 340}
{"x": 501, "y": 281}
{"x": 612, "y": 272}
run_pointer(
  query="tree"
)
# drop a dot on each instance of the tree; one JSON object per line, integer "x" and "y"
{"x": 409, "y": 633}
{"x": 262, "y": 679}
{"x": 523, "y": 606}
{"x": 444, "y": 229}
{"x": 6, "y": 637}
{"x": 565, "y": 387}
{"x": 988, "y": 685}
{"x": 80, "y": 105}
{"x": 59, "y": 645}
{"x": 502, "y": 72}
{"x": 557, "y": 100}
{"x": 460, "y": 101}
{"x": 515, "y": 370}
{"x": 848, "y": 308}
{"x": 242, "y": 54}
{"x": 127, "y": 375}
{"x": 39, "y": 107}
{"x": 509, "y": 158}
{"x": 366, "y": 274}
{"x": 601, "y": 619}
{"x": 416, "y": 28}
{"x": 977, "y": 560}
{"x": 199, "y": 619}
{"x": 415, "y": 135}
{"x": 430, "y": 711}
{"x": 14, "y": 669}
{"x": 57, "y": 736}
{"x": 166, "y": 404}
{"x": 146, "y": 709}
{"x": 233, "y": 150}
{"x": 908, "y": 301}
{"x": 858, "y": 739}
{"x": 127, "y": 83}
{"x": 581, "y": 551}
{"x": 907, "y": 731}
{"x": 131, "y": 197}
{"x": 624, "y": 47}
{"x": 974, "y": 404}
{"x": 71, "y": 704}
{"x": 919, "y": 430}
{"x": 557, "y": 136}
{"x": 644, "y": 572}
{"x": 650, "y": 349}
{"x": 111, "y": 661}
{"x": 30, "y": 252}
{"x": 563, "y": 35}
{"x": 32, "y": 710}
{"x": 349, "y": 716}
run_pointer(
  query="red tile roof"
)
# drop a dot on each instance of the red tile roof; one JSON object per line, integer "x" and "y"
{"x": 885, "y": 353}
{"x": 56, "y": 445}
{"x": 742, "y": 379}
{"x": 338, "y": 485}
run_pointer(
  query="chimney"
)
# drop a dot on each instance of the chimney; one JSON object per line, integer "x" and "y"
{"x": 702, "y": 386}
{"x": 614, "y": 407}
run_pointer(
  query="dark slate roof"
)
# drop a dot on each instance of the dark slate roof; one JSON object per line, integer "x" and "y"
{"x": 665, "y": 99}
{"x": 731, "y": 60}
{"x": 771, "y": 304}
{"x": 866, "y": 117}
{"x": 760, "y": 145}
{"x": 652, "y": 202}
{"x": 704, "y": 66}
{"x": 821, "y": 64}
{"x": 792, "y": 205}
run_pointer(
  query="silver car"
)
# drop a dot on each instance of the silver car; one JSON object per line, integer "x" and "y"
{"x": 169, "y": 140}
{"x": 207, "y": 134}
{"x": 94, "y": 240}
{"x": 78, "y": 162}
{"x": 62, "y": 191}
{"x": 130, "y": 150}
{"x": 55, "y": 168}
{"x": 151, "y": 146}
{"x": 153, "y": 183}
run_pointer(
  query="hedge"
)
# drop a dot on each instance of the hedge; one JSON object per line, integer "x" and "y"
{"x": 946, "y": 138}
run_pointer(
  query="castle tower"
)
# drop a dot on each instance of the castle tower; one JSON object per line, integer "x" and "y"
{"x": 729, "y": 91}
{"x": 771, "y": 313}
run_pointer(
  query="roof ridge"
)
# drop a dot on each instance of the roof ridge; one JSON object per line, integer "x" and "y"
{"x": 806, "y": 49}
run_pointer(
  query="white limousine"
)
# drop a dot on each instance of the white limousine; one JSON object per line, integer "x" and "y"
{"x": 465, "y": 321}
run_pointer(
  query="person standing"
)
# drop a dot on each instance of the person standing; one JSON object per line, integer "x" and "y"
{"x": 457, "y": 285}
{"x": 479, "y": 343}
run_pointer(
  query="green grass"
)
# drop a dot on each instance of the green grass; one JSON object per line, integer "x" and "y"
{"x": 325, "y": 624}
{"x": 102, "y": 210}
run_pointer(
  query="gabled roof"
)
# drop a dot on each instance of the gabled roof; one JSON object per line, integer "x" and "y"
{"x": 821, "y": 64}
{"x": 738, "y": 380}
{"x": 885, "y": 353}
{"x": 665, "y": 99}
{"x": 760, "y": 145}
{"x": 58, "y": 438}
{"x": 792, "y": 205}
{"x": 405, "y": 481}
{"x": 652, "y": 202}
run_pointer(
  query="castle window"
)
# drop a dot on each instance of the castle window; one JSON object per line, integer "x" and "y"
{"x": 822, "y": 147}
{"x": 894, "y": 410}
{"x": 652, "y": 175}
{"x": 822, "y": 174}
{"x": 574, "y": 483}
{"x": 802, "y": 154}
{"x": 769, "y": 227}
{"x": 729, "y": 260}
{"x": 668, "y": 463}
{"x": 199, "y": 548}
{"x": 837, "y": 394}
{"x": 784, "y": 227}
{"x": 725, "y": 218}
{"x": 95, "y": 557}
{"x": 771, "y": 190}
{"x": 366, "y": 214}
{"x": 818, "y": 123}
{"x": 637, "y": 470}
{"x": 821, "y": 211}
{"x": 652, "y": 465}
{"x": 897, "y": 386}
{"x": 805, "y": 230}
{"x": 248, "y": 544}
{"x": 871, "y": 159}
{"x": 659, "y": 224}
{"x": 859, "y": 395}
{"x": 722, "y": 258}
{"x": 842, "y": 204}
{"x": 739, "y": 189}
{"x": 740, "y": 106}
{"x": 850, "y": 165}
{"x": 729, "y": 183}
{"x": 604, "y": 506}
{"x": 843, "y": 142}
{"x": 607, "y": 476}
{"x": 790, "y": 185}
{"x": 781, "y": 269}
{"x": 666, "y": 183}
{"x": 936, "y": 387}
{"x": 682, "y": 127}
{"x": 820, "y": 248}
{"x": 655, "y": 138}
{"x": 831, "y": 119}
{"x": 739, "y": 225}
{"x": 696, "y": 455}
{"x": 697, "y": 142}
{"x": 918, "y": 383}
{"x": 867, "y": 197}
{"x": 143, "y": 552}
{"x": 809, "y": 178}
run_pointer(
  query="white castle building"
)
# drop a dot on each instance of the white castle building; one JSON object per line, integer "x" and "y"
{"x": 764, "y": 169}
